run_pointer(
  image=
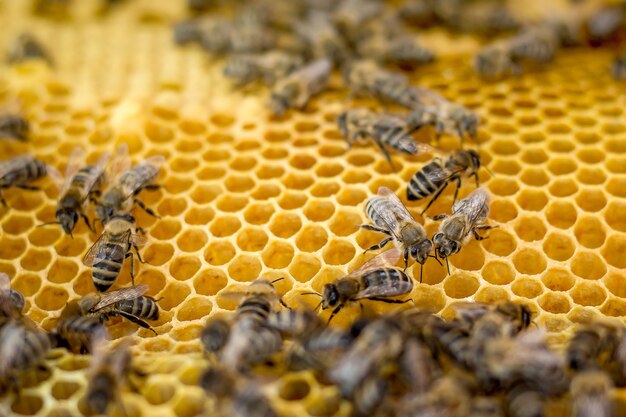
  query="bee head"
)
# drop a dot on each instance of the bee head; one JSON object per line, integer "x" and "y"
{"x": 420, "y": 251}
{"x": 330, "y": 296}
{"x": 475, "y": 157}
{"x": 444, "y": 247}
{"x": 67, "y": 218}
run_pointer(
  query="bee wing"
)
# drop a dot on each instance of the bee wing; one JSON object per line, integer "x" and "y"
{"x": 385, "y": 289}
{"x": 5, "y": 282}
{"x": 387, "y": 258}
{"x": 470, "y": 311}
{"x": 397, "y": 212}
{"x": 90, "y": 256}
{"x": 112, "y": 297}
{"x": 74, "y": 163}
{"x": 428, "y": 96}
{"x": 473, "y": 206}
{"x": 139, "y": 240}
{"x": 138, "y": 181}
{"x": 120, "y": 163}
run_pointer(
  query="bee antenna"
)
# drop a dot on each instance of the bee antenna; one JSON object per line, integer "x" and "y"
{"x": 278, "y": 279}
{"x": 421, "y": 272}
{"x": 448, "y": 265}
{"x": 311, "y": 293}
{"x": 47, "y": 224}
{"x": 489, "y": 171}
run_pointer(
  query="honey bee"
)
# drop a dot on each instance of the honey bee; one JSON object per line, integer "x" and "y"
{"x": 22, "y": 347}
{"x": 593, "y": 346}
{"x": 453, "y": 339}
{"x": 107, "y": 254}
{"x": 79, "y": 186}
{"x": 522, "y": 401}
{"x": 390, "y": 217}
{"x": 385, "y": 130}
{"x": 218, "y": 381}
{"x": 268, "y": 66}
{"x": 352, "y": 14}
{"x": 369, "y": 395}
{"x": 486, "y": 407}
{"x": 518, "y": 314}
{"x": 250, "y": 343}
{"x": 127, "y": 182}
{"x": 188, "y": 31}
{"x": 447, "y": 397}
{"x": 468, "y": 216}
{"x": 435, "y": 176}
{"x": 322, "y": 37}
{"x": 250, "y": 402}
{"x": 130, "y": 303}
{"x": 297, "y": 324}
{"x": 18, "y": 172}
{"x": 296, "y": 89}
{"x": 591, "y": 394}
{"x": 495, "y": 60}
{"x": 417, "y": 367}
{"x": 215, "y": 334}
{"x": 619, "y": 67}
{"x": 13, "y": 126}
{"x": 78, "y": 333}
{"x": 25, "y": 48}
{"x": 488, "y": 18}
{"x": 368, "y": 77}
{"x": 12, "y": 301}
{"x": 375, "y": 280}
{"x": 404, "y": 51}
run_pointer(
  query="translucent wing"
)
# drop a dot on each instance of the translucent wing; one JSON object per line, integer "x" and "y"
{"x": 139, "y": 240}
{"x": 427, "y": 95}
{"x": 470, "y": 311}
{"x": 385, "y": 259}
{"x": 93, "y": 251}
{"x": 99, "y": 168}
{"x": 395, "y": 212}
{"x": 74, "y": 163}
{"x": 12, "y": 164}
{"x": 386, "y": 121}
{"x": 385, "y": 289}
{"x": 111, "y": 297}
{"x": 143, "y": 173}
{"x": 55, "y": 175}
{"x": 5, "y": 282}
{"x": 474, "y": 206}
{"x": 120, "y": 163}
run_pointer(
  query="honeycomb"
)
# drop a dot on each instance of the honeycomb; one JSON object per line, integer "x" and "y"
{"x": 247, "y": 194}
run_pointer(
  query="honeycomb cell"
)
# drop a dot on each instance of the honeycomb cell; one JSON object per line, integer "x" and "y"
{"x": 285, "y": 225}
{"x": 460, "y": 285}
{"x": 243, "y": 163}
{"x": 27, "y": 405}
{"x": 155, "y": 280}
{"x": 588, "y": 294}
{"x": 17, "y": 224}
{"x": 304, "y": 267}
{"x": 158, "y": 253}
{"x": 614, "y": 307}
{"x": 258, "y": 213}
{"x": 591, "y": 200}
{"x": 614, "y": 250}
{"x": 617, "y": 186}
{"x": 191, "y": 240}
{"x": 210, "y": 281}
{"x": 238, "y": 183}
{"x": 558, "y": 246}
{"x": 291, "y": 200}
{"x": 173, "y": 294}
{"x": 591, "y": 176}
{"x": 265, "y": 191}
{"x": 503, "y": 187}
{"x": 244, "y": 268}
{"x": 158, "y": 393}
{"x": 325, "y": 189}
{"x": 51, "y": 298}
{"x": 470, "y": 258}
{"x": 165, "y": 229}
{"x": 266, "y": 172}
{"x": 63, "y": 390}
{"x": 616, "y": 165}
{"x": 532, "y": 200}
{"x": 224, "y": 226}
{"x": 527, "y": 288}
{"x": 184, "y": 267}
{"x": 556, "y": 303}
{"x": 27, "y": 284}
{"x": 561, "y": 166}
{"x": 219, "y": 252}
{"x": 319, "y": 210}
{"x": 535, "y": 156}
{"x": 588, "y": 265}
{"x": 172, "y": 206}
{"x": 558, "y": 279}
{"x": 277, "y": 255}
{"x": 563, "y": 187}
{"x": 355, "y": 177}
{"x": 430, "y": 298}
{"x": 614, "y": 282}
{"x": 530, "y": 228}
{"x": 199, "y": 216}
{"x": 295, "y": 181}
{"x": 194, "y": 308}
{"x": 311, "y": 238}
{"x": 205, "y": 193}
{"x": 211, "y": 173}
{"x": 561, "y": 214}
{"x": 351, "y": 197}
{"x": 252, "y": 240}
{"x": 500, "y": 242}
{"x": 35, "y": 260}
{"x": 561, "y": 145}
{"x": 360, "y": 159}
{"x": 529, "y": 261}
{"x": 502, "y": 210}
{"x": 535, "y": 177}
{"x": 338, "y": 252}
{"x": 498, "y": 273}
{"x": 491, "y": 295}
{"x": 293, "y": 388}
{"x": 11, "y": 248}
{"x": 345, "y": 223}
{"x": 589, "y": 232}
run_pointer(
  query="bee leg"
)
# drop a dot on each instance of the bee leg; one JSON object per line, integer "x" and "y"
{"x": 378, "y": 246}
{"x": 456, "y": 192}
{"x": 475, "y": 230}
{"x": 476, "y": 178}
{"x": 89, "y": 225}
{"x": 406, "y": 259}
{"x": 435, "y": 197}
{"x": 335, "y": 311}
{"x": 387, "y": 300}
{"x": 440, "y": 216}
{"x": 132, "y": 267}
{"x": 146, "y": 209}
{"x": 27, "y": 187}
{"x": 282, "y": 303}
{"x": 152, "y": 187}
{"x": 137, "y": 321}
{"x": 139, "y": 258}
{"x": 374, "y": 228}
{"x": 385, "y": 153}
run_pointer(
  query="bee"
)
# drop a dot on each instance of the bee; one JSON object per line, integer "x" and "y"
{"x": 522, "y": 401}
{"x": 249, "y": 39}
{"x": 453, "y": 339}
{"x": 368, "y": 77}
{"x": 369, "y": 395}
{"x": 385, "y": 130}
{"x": 591, "y": 394}
{"x": 25, "y": 48}
{"x": 108, "y": 371}
{"x": 404, "y": 50}
{"x": 350, "y": 15}
{"x": 606, "y": 24}
{"x": 435, "y": 176}
{"x": 77, "y": 333}
{"x": 593, "y": 346}
{"x": 486, "y": 407}
{"x": 78, "y": 188}
{"x": 318, "y": 349}
{"x": 12, "y": 301}
{"x": 107, "y": 254}
{"x": 188, "y": 31}
{"x": 22, "y": 347}
{"x": 468, "y": 216}
{"x": 495, "y": 60}
{"x": 13, "y": 126}
{"x": 390, "y": 217}
{"x": 215, "y": 334}
{"x": 417, "y": 367}
{"x": 447, "y": 397}
{"x": 249, "y": 343}
{"x": 296, "y": 89}
{"x": 518, "y": 314}
{"x": 127, "y": 182}
{"x": 268, "y": 66}
{"x": 130, "y": 303}
{"x": 297, "y": 324}
{"x": 218, "y": 381}
{"x": 18, "y": 172}
{"x": 250, "y": 402}
{"x": 322, "y": 37}
{"x": 489, "y": 18}
{"x": 619, "y": 67}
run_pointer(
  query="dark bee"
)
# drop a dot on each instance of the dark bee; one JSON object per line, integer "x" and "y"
{"x": 369, "y": 395}
{"x": 26, "y": 47}
{"x": 250, "y": 402}
{"x": 403, "y": 50}
{"x": 77, "y": 333}
{"x": 392, "y": 218}
{"x": 267, "y": 67}
{"x": 523, "y": 401}
{"x": 374, "y": 280}
{"x": 486, "y": 407}
{"x": 350, "y": 15}
{"x": 385, "y": 130}
{"x": 435, "y": 176}
{"x": 322, "y": 38}
{"x": 296, "y": 89}
{"x": 468, "y": 216}
{"x": 15, "y": 127}
{"x": 130, "y": 303}
{"x": 215, "y": 334}
{"x": 108, "y": 253}
{"x": 12, "y": 301}
{"x": 22, "y": 347}
{"x": 79, "y": 186}
{"x": 593, "y": 346}
{"x": 518, "y": 314}
{"x": 447, "y": 397}
{"x": 18, "y": 172}
{"x": 297, "y": 324}
{"x": 591, "y": 394}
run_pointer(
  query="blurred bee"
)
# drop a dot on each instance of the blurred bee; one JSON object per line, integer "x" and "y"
{"x": 297, "y": 324}
{"x": 12, "y": 301}
{"x": 250, "y": 39}
{"x": 18, "y": 172}
{"x": 495, "y": 60}
{"x": 518, "y": 314}
{"x": 25, "y": 48}
{"x": 107, "y": 254}
{"x": 215, "y": 334}
{"x": 130, "y": 303}
{"x": 370, "y": 394}
{"x": 349, "y": 15}
{"x": 375, "y": 280}
{"x": 78, "y": 333}
{"x": 249, "y": 343}
{"x": 444, "y": 115}
{"x": 486, "y": 407}
{"x": 417, "y": 367}
{"x": 591, "y": 394}
{"x": 453, "y": 339}
{"x": 385, "y": 130}
{"x": 218, "y": 381}
{"x": 368, "y": 77}
{"x": 127, "y": 182}
{"x": 435, "y": 176}
{"x": 296, "y": 89}
{"x": 619, "y": 67}
{"x": 268, "y": 67}
{"x": 447, "y": 397}
{"x": 322, "y": 37}
{"x": 593, "y": 346}
{"x": 522, "y": 401}
{"x": 404, "y": 51}
{"x": 22, "y": 347}
{"x": 79, "y": 186}
{"x": 187, "y": 31}
{"x": 390, "y": 217}
{"x": 488, "y": 18}
{"x": 13, "y": 126}
{"x": 606, "y": 24}
{"x": 250, "y": 402}
{"x": 468, "y": 216}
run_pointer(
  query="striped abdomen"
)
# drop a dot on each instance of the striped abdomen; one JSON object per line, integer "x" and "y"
{"x": 143, "y": 307}
{"x": 422, "y": 185}
{"x": 22, "y": 171}
{"x": 454, "y": 341}
{"x": 391, "y": 281}
{"x": 84, "y": 179}
{"x": 397, "y": 138}
{"x": 583, "y": 349}
{"x": 22, "y": 347}
{"x": 256, "y": 307}
{"x": 378, "y": 205}
{"x": 108, "y": 264}
{"x": 138, "y": 177}
{"x": 79, "y": 331}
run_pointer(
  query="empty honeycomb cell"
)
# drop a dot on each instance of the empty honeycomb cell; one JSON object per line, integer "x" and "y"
{"x": 154, "y": 279}
{"x": 356, "y": 177}
{"x": 217, "y": 138}
{"x": 62, "y": 390}
{"x": 535, "y": 156}
{"x": 529, "y": 261}
{"x": 617, "y": 186}
{"x": 556, "y": 303}
{"x": 219, "y": 252}
{"x": 498, "y": 272}
{"x": 216, "y": 155}
{"x": 184, "y": 267}
{"x": 337, "y": 252}
{"x": 199, "y": 215}
{"x": 375, "y": 185}
{"x": 558, "y": 246}
{"x": 51, "y": 298}
{"x": 589, "y": 232}
{"x": 359, "y": 159}
{"x": 499, "y": 243}
{"x": 614, "y": 251}
{"x": 328, "y": 170}
{"x": 277, "y": 255}
{"x": 275, "y": 153}
{"x": 502, "y": 210}
{"x": 528, "y": 120}
{"x": 345, "y": 223}
{"x": 330, "y": 151}
{"x": 503, "y": 186}
{"x": 505, "y": 147}
{"x": 588, "y": 265}
{"x": 302, "y": 161}
{"x": 616, "y": 165}
{"x": 614, "y": 307}
{"x": 582, "y": 315}
{"x": 210, "y": 281}
{"x": 238, "y": 184}
{"x": 277, "y": 136}
{"x": 165, "y": 229}
{"x": 244, "y": 268}
{"x": 191, "y": 240}
{"x": 591, "y": 176}
{"x": 83, "y": 284}
{"x": 266, "y": 172}
{"x": 503, "y": 128}
{"x": 293, "y": 388}
{"x": 432, "y": 298}
{"x": 532, "y": 200}
{"x": 62, "y": 271}
{"x": 35, "y": 260}
{"x": 591, "y": 200}
{"x": 173, "y": 294}
{"x": 224, "y": 226}
{"x": 265, "y": 191}
{"x": 211, "y": 173}
{"x": 160, "y": 392}
{"x": 291, "y": 200}
{"x": 535, "y": 176}
{"x": 533, "y": 137}
{"x": 205, "y": 193}
{"x": 527, "y": 288}
{"x": 157, "y": 132}
{"x": 613, "y": 128}
{"x": 243, "y": 163}
{"x": 231, "y": 203}
{"x": 460, "y": 285}
{"x": 561, "y": 145}
{"x": 588, "y": 294}
{"x": 614, "y": 282}
{"x": 183, "y": 164}
{"x": 285, "y": 225}
{"x": 252, "y": 239}
{"x": 190, "y": 404}
{"x": 188, "y": 146}
{"x": 325, "y": 189}
{"x": 563, "y": 187}
{"x": 351, "y": 197}
{"x": 17, "y": 224}
{"x": 172, "y": 206}
{"x": 558, "y": 128}
{"x": 432, "y": 273}
{"x": 561, "y": 166}
{"x": 158, "y": 253}
{"x": 326, "y": 403}
{"x": 27, "y": 405}
{"x": 530, "y": 228}
{"x": 258, "y": 213}
{"x": 11, "y": 248}
{"x": 319, "y": 210}
{"x": 194, "y": 308}
{"x": 298, "y": 181}
{"x": 590, "y": 156}
{"x": 470, "y": 258}
{"x": 491, "y": 295}
{"x": 27, "y": 284}
{"x": 561, "y": 214}
{"x": 507, "y": 167}
{"x": 173, "y": 185}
